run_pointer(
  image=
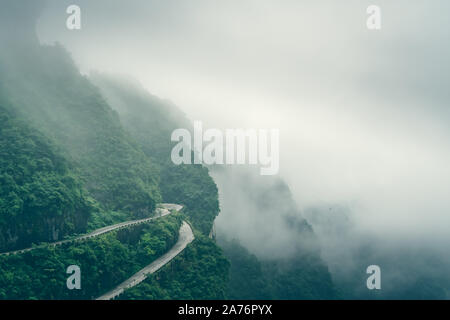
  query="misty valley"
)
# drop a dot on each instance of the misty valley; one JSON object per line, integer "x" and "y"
{"x": 109, "y": 190}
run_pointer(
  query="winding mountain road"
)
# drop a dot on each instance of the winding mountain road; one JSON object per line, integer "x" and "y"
{"x": 160, "y": 212}
{"x": 185, "y": 237}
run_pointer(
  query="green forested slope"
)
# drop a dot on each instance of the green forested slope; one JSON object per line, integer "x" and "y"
{"x": 303, "y": 276}
{"x": 104, "y": 261}
{"x": 151, "y": 121}
{"x": 43, "y": 84}
{"x": 199, "y": 272}
{"x": 41, "y": 199}
{"x": 69, "y": 162}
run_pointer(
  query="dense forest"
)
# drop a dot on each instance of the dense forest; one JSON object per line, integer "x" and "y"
{"x": 105, "y": 261}
{"x": 302, "y": 277}
{"x": 200, "y": 272}
{"x": 65, "y": 106}
{"x": 151, "y": 121}
{"x": 70, "y": 163}
{"x": 40, "y": 196}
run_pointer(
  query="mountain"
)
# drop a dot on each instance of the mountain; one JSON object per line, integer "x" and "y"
{"x": 151, "y": 122}
{"x": 41, "y": 199}
{"x": 273, "y": 250}
{"x": 81, "y": 152}
{"x": 410, "y": 269}
{"x": 41, "y": 85}
{"x": 71, "y": 162}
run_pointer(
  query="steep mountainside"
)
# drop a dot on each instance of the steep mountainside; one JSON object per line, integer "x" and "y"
{"x": 69, "y": 163}
{"x": 273, "y": 250}
{"x": 43, "y": 86}
{"x": 151, "y": 121}
{"x": 41, "y": 198}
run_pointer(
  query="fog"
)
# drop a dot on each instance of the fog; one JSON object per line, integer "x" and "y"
{"x": 363, "y": 115}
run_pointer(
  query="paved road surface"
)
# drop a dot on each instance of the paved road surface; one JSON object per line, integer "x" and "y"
{"x": 185, "y": 237}
{"x": 160, "y": 212}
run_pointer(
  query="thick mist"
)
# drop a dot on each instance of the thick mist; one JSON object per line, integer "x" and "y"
{"x": 363, "y": 115}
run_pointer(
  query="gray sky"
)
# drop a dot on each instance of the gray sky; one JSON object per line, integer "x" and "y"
{"x": 363, "y": 115}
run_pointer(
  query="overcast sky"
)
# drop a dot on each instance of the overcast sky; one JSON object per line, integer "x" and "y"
{"x": 363, "y": 115}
